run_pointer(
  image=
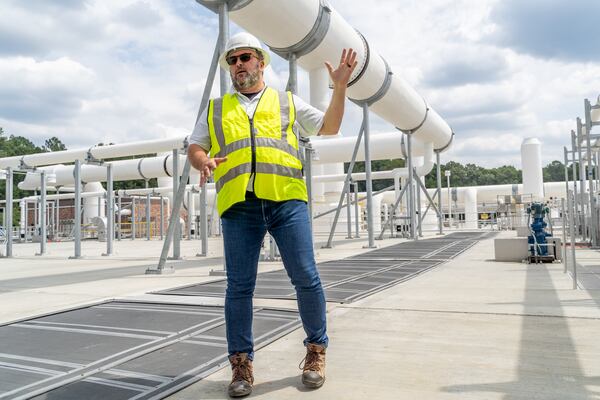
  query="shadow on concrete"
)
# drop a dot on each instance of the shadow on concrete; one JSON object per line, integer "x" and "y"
{"x": 548, "y": 364}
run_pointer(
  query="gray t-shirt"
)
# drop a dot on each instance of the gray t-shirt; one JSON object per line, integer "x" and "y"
{"x": 309, "y": 120}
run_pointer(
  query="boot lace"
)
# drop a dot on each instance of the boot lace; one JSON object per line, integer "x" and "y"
{"x": 242, "y": 370}
{"x": 313, "y": 361}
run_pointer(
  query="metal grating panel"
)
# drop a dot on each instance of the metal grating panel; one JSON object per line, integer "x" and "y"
{"x": 121, "y": 350}
{"x": 355, "y": 277}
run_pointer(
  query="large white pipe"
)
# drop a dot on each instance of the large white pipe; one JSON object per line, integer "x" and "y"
{"x": 95, "y": 152}
{"x": 283, "y": 24}
{"x": 123, "y": 170}
{"x": 336, "y": 150}
{"x": 531, "y": 163}
{"x": 384, "y": 146}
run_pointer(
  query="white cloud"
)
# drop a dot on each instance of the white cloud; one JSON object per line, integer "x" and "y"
{"x": 122, "y": 70}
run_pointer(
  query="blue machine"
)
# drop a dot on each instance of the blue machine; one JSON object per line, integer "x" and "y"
{"x": 538, "y": 245}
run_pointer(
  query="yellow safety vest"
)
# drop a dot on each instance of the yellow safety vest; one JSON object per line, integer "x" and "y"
{"x": 265, "y": 145}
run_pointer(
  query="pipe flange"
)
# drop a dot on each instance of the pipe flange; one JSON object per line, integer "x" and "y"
{"x": 441, "y": 149}
{"x": 165, "y": 166}
{"x": 385, "y": 86}
{"x": 312, "y": 39}
{"x": 139, "y": 168}
{"x": 413, "y": 130}
{"x": 365, "y": 62}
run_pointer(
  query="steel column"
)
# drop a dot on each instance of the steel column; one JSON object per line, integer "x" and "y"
{"x": 564, "y": 233}
{"x": 348, "y": 212}
{"x": 203, "y": 223}
{"x": 572, "y": 234}
{"x": 43, "y": 217}
{"x": 189, "y": 215}
{"x": 110, "y": 210}
{"x": 120, "y": 206}
{"x": 162, "y": 216}
{"x": 175, "y": 211}
{"x": 148, "y": 216}
{"x": 368, "y": 181}
{"x": 419, "y": 219}
{"x": 77, "y": 210}
{"x": 133, "y": 219}
{"x": 439, "y": 193}
{"x": 356, "y": 211}
{"x": 8, "y": 213}
{"x": 223, "y": 37}
{"x": 411, "y": 188}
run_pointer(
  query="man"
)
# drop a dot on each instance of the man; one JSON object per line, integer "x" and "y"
{"x": 252, "y": 136}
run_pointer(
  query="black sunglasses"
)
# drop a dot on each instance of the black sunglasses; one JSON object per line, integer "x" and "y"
{"x": 232, "y": 60}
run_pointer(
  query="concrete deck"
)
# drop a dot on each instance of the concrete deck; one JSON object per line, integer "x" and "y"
{"x": 472, "y": 328}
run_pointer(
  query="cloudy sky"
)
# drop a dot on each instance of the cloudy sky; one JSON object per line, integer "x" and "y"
{"x": 90, "y": 71}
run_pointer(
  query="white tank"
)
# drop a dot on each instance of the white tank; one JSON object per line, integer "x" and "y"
{"x": 531, "y": 163}
{"x": 90, "y": 204}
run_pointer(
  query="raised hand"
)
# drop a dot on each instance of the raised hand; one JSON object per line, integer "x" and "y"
{"x": 208, "y": 168}
{"x": 341, "y": 75}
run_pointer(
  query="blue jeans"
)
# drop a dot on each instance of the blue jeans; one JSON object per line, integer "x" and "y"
{"x": 244, "y": 227}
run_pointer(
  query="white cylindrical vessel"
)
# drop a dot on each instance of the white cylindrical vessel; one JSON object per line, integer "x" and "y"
{"x": 91, "y": 208}
{"x": 471, "y": 216}
{"x": 531, "y": 162}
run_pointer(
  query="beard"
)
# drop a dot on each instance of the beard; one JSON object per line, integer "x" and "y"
{"x": 242, "y": 82}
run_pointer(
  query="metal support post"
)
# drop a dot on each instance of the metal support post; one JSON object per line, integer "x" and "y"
{"x": 57, "y": 217}
{"x": 419, "y": 218}
{"x": 203, "y": 223}
{"x": 411, "y": 188}
{"x": 308, "y": 151}
{"x": 26, "y": 217}
{"x": 162, "y": 216}
{"x": 572, "y": 234}
{"x": 8, "y": 213}
{"x": 439, "y": 193}
{"x": 582, "y": 197}
{"x": 77, "y": 210}
{"x": 368, "y": 181}
{"x": 223, "y": 36}
{"x": 564, "y": 233}
{"x": 189, "y": 215}
{"x": 590, "y": 177}
{"x": 292, "y": 84}
{"x": 148, "y": 216}
{"x": 110, "y": 210}
{"x": 573, "y": 150}
{"x": 175, "y": 211}
{"x": 119, "y": 204}
{"x": 133, "y": 219}
{"x": 356, "y": 211}
{"x": 43, "y": 218}
{"x": 348, "y": 212}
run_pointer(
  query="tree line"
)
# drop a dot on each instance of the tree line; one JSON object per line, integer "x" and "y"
{"x": 463, "y": 175}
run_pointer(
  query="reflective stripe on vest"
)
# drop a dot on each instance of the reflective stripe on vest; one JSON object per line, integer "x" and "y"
{"x": 273, "y": 146}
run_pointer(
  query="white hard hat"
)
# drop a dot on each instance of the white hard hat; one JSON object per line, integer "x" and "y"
{"x": 243, "y": 40}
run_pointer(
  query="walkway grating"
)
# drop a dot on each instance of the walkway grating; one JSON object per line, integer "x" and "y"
{"x": 355, "y": 277}
{"x": 121, "y": 350}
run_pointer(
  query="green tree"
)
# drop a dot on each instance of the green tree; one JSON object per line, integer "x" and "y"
{"x": 54, "y": 144}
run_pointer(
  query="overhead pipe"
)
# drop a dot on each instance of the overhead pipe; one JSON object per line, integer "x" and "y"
{"x": 94, "y": 153}
{"x": 315, "y": 32}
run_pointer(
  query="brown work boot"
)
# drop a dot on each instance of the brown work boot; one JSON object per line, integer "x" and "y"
{"x": 313, "y": 371}
{"x": 242, "y": 375}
